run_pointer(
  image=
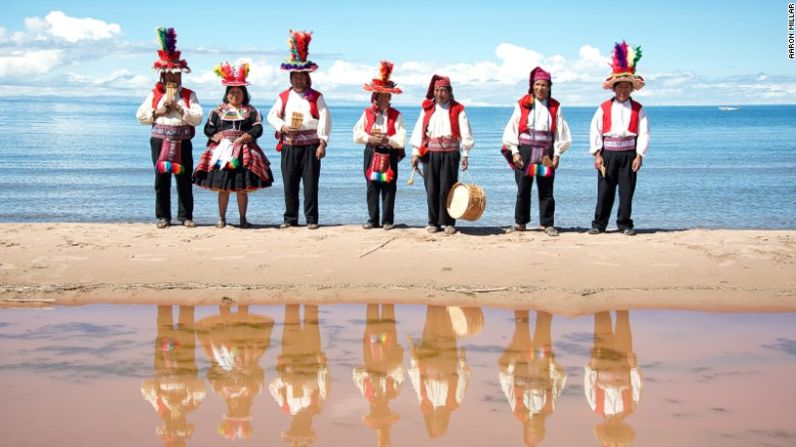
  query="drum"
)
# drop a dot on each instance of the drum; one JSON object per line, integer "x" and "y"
{"x": 466, "y": 201}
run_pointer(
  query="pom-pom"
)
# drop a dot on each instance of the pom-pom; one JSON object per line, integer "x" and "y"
{"x": 385, "y": 70}
{"x": 299, "y": 45}
{"x": 171, "y": 40}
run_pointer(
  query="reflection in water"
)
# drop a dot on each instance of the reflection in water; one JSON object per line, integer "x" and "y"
{"x": 381, "y": 377}
{"x": 438, "y": 368}
{"x": 529, "y": 376}
{"x": 176, "y": 390}
{"x": 302, "y": 385}
{"x": 613, "y": 381}
{"x": 234, "y": 343}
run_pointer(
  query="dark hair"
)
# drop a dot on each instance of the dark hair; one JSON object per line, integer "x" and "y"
{"x": 246, "y": 97}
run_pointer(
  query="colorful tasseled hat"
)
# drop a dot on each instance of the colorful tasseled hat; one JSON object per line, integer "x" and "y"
{"x": 168, "y": 56}
{"x": 232, "y": 76}
{"x": 383, "y": 84}
{"x": 623, "y": 66}
{"x": 299, "y": 44}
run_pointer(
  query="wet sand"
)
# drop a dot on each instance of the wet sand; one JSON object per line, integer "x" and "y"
{"x": 574, "y": 274}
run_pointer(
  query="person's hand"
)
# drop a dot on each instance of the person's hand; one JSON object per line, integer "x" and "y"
{"x": 517, "y": 159}
{"x": 598, "y": 161}
{"x": 374, "y": 141}
{"x": 414, "y": 161}
{"x": 216, "y": 138}
{"x": 289, "y": 132}
{"x": 321, "y": 151}
{"x": 465, "y": 163}
{"x": 243, "y": 139}
{"x": 556, "y": 159}
{"x": 636, "y": 163}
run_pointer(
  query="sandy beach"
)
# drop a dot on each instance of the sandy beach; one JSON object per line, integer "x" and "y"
{"x": 574, "y": 274}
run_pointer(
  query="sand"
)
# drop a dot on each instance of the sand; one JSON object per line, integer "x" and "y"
{"x": 574, "y": 274}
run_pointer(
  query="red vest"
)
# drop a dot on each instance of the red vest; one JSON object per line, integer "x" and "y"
{"x": 635, "y": 108}
{"x": 454, "y": 110}
{"x": 526, "y": 105}
{"x": 311, "y": 96}
{"x": 159, "y": 91}
{"x": 370, "y": 119}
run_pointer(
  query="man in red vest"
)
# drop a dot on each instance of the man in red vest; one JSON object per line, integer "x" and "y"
{"x": 619, "y": 139}
{"x": 381, "y": 129}
{"x": 441, "y": 132}
{"x": 303, "y": 125}
{"x": 536, "y": 136}
{"x": 173, "y": 111}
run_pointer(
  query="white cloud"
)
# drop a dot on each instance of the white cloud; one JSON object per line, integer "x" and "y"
{"x": 57, "y": 25}
{"x": 24, "y": 64}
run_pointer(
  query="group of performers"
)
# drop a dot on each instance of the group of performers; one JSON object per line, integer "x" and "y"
{"x": 533, "y": 141}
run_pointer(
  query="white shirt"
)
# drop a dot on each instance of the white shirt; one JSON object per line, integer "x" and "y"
{"x": 541, "y": 120}
{"x": 297, "y": 103}
{"x": 440, "y": 126}
{"x": 620, "y": 118}
{"x": 397, "y": 141}
{"x": 191, "y": 116}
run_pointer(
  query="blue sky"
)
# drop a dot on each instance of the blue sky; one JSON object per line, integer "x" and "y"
{"x": 694, "y": 52}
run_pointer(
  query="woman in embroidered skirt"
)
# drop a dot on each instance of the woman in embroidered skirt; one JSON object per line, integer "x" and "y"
{"x": 233, "y": 162}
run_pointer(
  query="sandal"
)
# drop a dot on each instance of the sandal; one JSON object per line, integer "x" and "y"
{"x": 221, "y": 223}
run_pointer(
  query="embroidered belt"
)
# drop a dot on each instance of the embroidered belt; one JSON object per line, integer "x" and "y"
{"x": 172, "y": 132}
{"x": 536, "y": 138}
{"x": 619, "y": 144}
{"x": 443, "y": 144}
{"x": 303, "y": 138}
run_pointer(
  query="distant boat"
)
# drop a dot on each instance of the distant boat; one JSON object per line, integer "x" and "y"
{"x": 729, "y": 108}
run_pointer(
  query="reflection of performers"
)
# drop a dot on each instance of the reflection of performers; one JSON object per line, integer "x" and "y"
{"x": 234, "y": 343}
{"x": 438, "y": 368}
{"x": 176, "y": 390}
{"x": 613, "y": 380}
{"x": 302, "y": 385}
{"x": 529, "y": 376}
{"x": 381, "y": 378}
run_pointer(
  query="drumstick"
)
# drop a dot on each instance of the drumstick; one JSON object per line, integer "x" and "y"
{"x": 602, "y": 169}
{"x": 411, "y": 180}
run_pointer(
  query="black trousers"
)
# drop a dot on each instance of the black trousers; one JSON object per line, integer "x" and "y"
{"x": 544, "y": 186}
{"x": 440, "y": 173}
{"x": 184, "y": 185}
{"x": 386, "y": 191}
{"x": 618, "y": 172}
{"x": 299, "y": 164}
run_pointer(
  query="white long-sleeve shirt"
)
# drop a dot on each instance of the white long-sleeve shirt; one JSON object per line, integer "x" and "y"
{"x": 397, "y": 141}
{"x": 620, "y": 118}
{"x": 539, "y": 119}
{"x": 297, "y": 103}
{"x": 191, "y": 116}
{"x": 440, "y": 126}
